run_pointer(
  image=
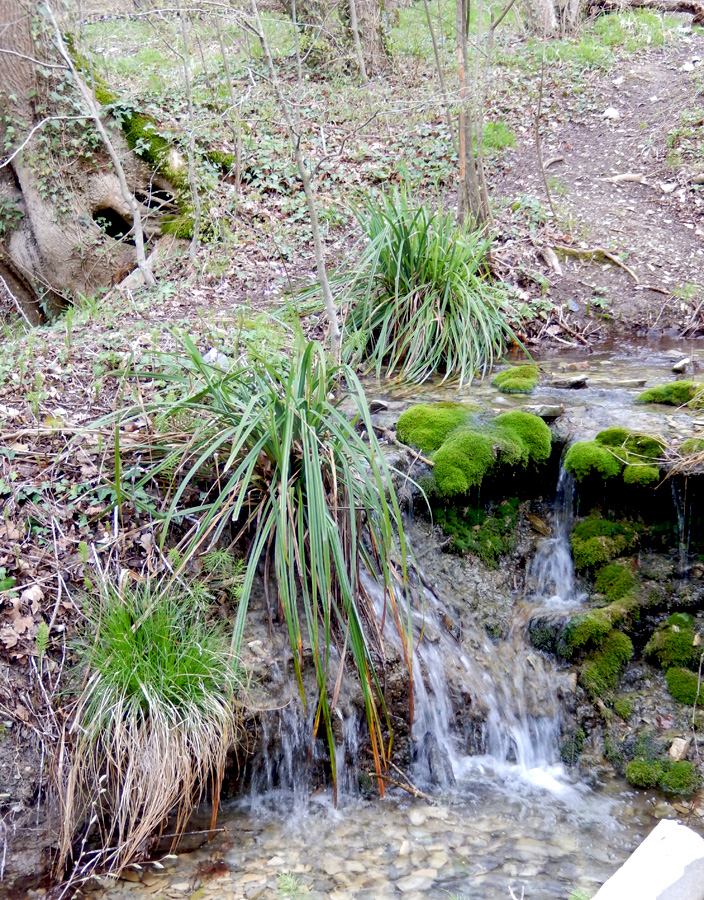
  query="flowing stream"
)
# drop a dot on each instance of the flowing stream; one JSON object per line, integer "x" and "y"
{"x": 499, "y": 811}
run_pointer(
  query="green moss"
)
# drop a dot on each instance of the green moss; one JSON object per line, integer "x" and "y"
{"x": 691, "y": 446}
{"x": 517, "y": 380}
{"x": 644, "y": 773}
{"x": 672, "y": 645}
{"x": 473, "y": 531}
{"x": 586, "y": 630}
{"x": 601, "y": 672}
{"x": 544, "y": 635}
{"x": 463, "y": 453}
{"x": 679, "y": 778}
{"x": 226, "y": 162}
{"x": 462, "y": 462}
{"x": 596, "y": 540}
{"x": 427, "y": 426}
{"x": 529, "y": 429}
{"x": 623, "y": 709}
{"x": 616, "y": 581}
{"x": 681, "y": 620}
{"x": 589, "y": 457}
{"x": 103, "y": 94}
{"x": 643, "y": 475}
{"x": 179, "y": 226}
{"x": 613, "y": 437}
{"x": 674, "y": 393}
{"x": 683, "y": 685}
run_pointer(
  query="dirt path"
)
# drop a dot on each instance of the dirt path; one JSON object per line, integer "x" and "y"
{"x": 655, "y": 225}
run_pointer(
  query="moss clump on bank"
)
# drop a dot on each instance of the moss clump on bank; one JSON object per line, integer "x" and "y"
{"x": 680, "y": 778}
{"x": 586, "y": 457}
{"x": 683, "y": 685}
{"x": 601, "y": 673}
{"x": 672, "y": 777}
{"x": 615, "y": 581}
{"x": 615, "y": 451}
{"x": 517, "y": 380}
{"x": 571, "y": 746}
{"x": 643, "y": 773}
{"x": 428, "y": 425}
{"x": 674, "y": 393}
{"x": 692, "y": 446}
{"x": 596, "y": 540}
{"x": 672, "y": 644}
{"x": 463, "y": 450}
{"x": 474, "y": 531}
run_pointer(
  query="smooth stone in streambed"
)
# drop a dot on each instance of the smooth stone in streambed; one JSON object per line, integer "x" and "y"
{"x": 681, "y": 366}
{"x": 418, "y": 881}
{"x": 332, "y": 866}
{"x": 417, "y": 817}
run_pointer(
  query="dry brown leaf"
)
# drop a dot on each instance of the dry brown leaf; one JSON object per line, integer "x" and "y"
{"x": 33, "y": 597}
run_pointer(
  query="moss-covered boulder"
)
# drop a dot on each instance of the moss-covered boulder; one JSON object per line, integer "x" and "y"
{"x": 517, "y": 379}
{"x": 617, "y": 451}
{"x": 464, "y": 449}
{"x": 596, "y": 540}
{"x": 672, "y": 644}
{"x": 602, "y": 670}
{"x": 674, "y": 393}
{"x": 428, "y": 425}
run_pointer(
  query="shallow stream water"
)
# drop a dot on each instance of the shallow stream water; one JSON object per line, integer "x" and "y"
{"x": 509, "y": 819}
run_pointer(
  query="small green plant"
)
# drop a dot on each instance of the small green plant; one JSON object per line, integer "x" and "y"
{"x": 289, "y": 886}
{"x": 623, "y": 708}
{"x": 41, "y": 640}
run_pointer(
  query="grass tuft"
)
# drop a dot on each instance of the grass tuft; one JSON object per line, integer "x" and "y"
{"x": 421, "y": 297}
{"x": 153, "y": 722}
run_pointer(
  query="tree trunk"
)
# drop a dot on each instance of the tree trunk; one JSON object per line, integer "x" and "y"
{"x": 693, "y": 7}
{"x": 65, "y": 224}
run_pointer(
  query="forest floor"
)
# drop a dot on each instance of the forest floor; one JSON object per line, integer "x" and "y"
{"x": 623, "y": 112}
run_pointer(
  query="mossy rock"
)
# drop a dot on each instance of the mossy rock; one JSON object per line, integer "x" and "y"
{"x": 683, "y": 685}
{"x": 596, "y": 540}
{"x": 517, "y": 379}
{"x": 692, "y": 446}
{"x": 615, "y": 581}
{"x": 585, "y": 630}
{"x": 590, "y": 457}
{"x": 428, "y": 425}
{"x": 530, "y": 430}
{"x": 463, "y": 452}
{"x": 672, "y": 645}
{"x": 462, "y": 462}
{"x": 601, "y": 673}
{"x": 643, "y": 773}
{"x": 674, "y": 393}
{"x": 679, "y": 778}
{"x": 642, "y": 475}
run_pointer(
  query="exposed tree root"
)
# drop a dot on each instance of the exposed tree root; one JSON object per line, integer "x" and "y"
{"x": 596, "y": 253}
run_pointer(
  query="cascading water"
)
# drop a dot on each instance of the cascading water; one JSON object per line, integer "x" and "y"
{"x": 516, "y": 688}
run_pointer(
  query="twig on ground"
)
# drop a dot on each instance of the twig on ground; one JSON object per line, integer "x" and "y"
{"x": 409, "y": 788}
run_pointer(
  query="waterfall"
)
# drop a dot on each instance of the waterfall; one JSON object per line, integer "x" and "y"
{"x": 509, "y": 691}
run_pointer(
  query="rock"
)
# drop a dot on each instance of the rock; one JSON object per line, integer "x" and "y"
{"x": 416, "y": 817}
{"x": 539, "y": 525}
{"x": 545, "y": 410}
{"x": 612, "y": 114}
{"x": 377, "y": 406}
{"x": 418, "y": 881}
{"x": 679, "y": 749}
{"x": 574, "y": 382}
{"x": 668, "y": 865}
{"x": 681, "y": 366}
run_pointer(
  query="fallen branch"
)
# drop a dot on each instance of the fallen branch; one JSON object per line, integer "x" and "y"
{"x": 593, "y": 253}
{"x": 409, "y": 788}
